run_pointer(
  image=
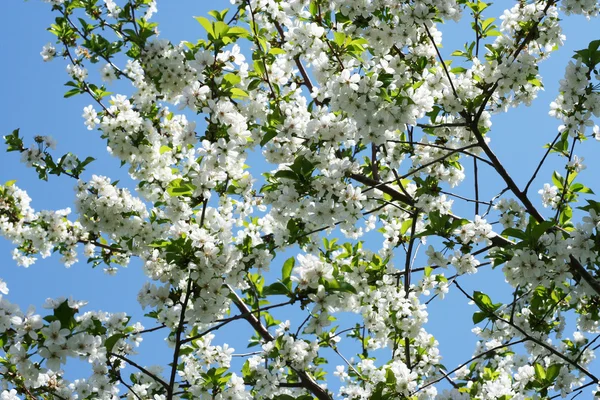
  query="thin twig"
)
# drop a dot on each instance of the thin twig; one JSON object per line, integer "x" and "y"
{"x": 537, "y": 341}
{"x": 307, "y": 381}
{"x": 139, "y": 367}
{"x": 539, "y": 166}
{"x": 476, "y": 179}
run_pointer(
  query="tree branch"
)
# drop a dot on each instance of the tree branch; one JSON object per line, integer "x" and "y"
{"x": 139, "y": 367}
{"x": 307, "y": 381}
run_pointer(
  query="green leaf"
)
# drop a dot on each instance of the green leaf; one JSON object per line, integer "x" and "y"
{"x": 478, "y": 317}
{"x": 540, "y": 374}
{"x": 66, "y": 315}
{"x": 592, "y": 205}
{"x": 458, "y": 70}
{"x": 219, "y": 16}
{"x": 232, "y": 79}
{"x": 284, "y": 397}
{"x": 339, "y": 38}
{"x": 206, "y": 24}
{"x": 159, "y": 244}
{"x": 287, "y": 174}
{"x": 269, "y": 134}
{"x": 482, "y": 300}
{"x": 485, "y": 304}
{"x": 390, "y": 377}
{"x": 514, "y": 232}
{"x": 179, "y": 187}
{"x": 111, "y": 341}
{"x": 302, "y": 167}
{"x": 164, "y": 149}
{"x": 580, "y": 188}
{"x": 220, "y": 29}
{"x": 255, "y": 83}
{"x": 486, "y": 23}
{"x": 557, "y": 180}
{"x": 477, "y": 6}
{"x": 238, "y": 93}
{"x": 276, "y": 50}
{"x": 552, "y": 372}
{"x": 428, "y": 271}
{"x": 277, "y": 288}
{"x": 13, "y": 141}
{"x": 72, "y": 92}
{"x": 339, "y": 286}
{"x": 535, "y": 82}
{"x": 406, "y": 224}
{"x": 565, "y": 216}
{"x": 85, "y": 162}
{"x": 493, "y": 32}
{"x": 286, "y": 271}
{"x": 259, "y": 67}
{"x": 589, "y": 56}
{"x": 238, "y": 31}
{"x": 359, "y": 42}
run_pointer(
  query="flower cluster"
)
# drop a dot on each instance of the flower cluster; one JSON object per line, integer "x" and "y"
{"x": 576, "y": 104}
{"x": 112, "y": 211}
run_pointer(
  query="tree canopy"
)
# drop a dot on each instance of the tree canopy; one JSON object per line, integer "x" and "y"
{"x": 319, "y": 172}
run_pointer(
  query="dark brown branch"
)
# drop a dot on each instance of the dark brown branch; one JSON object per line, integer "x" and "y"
{"x": 496, "y": 240}
{"x": 407, "y": 276}
{"x": 565, "y": 188}
{"x": 541, "y": 162}
{"x": 306, "y": 79}
{"x": 586, "y": 347}
{"x": 383, "y": 187}
{"x": 437, "y": 50}
{"x": 307, "y": 381}
{"x": 178, "y": 342}
{"x": 225, "y": 321}
{"x": 142, "y": 369}
{"x": 437, "y": 160}
{"x": 476, "y": 179}
{"x": 437, "y": 146}
{"x": 505, "y": 175}
{"x": 529, "y": 37}
{"x": 540, "y": 343}
{"x": 447, "y": 374}
{"x": 156, "y": 328}
{"x": 487, "y": 203}
{"x": 444, "y": 125}
{"x": 576, "y": 267}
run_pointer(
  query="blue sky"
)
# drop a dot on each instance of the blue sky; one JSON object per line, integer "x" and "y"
{"x": 33, "y": 101}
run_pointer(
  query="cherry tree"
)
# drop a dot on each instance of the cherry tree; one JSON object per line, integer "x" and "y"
{"x": 367, "y": 131}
